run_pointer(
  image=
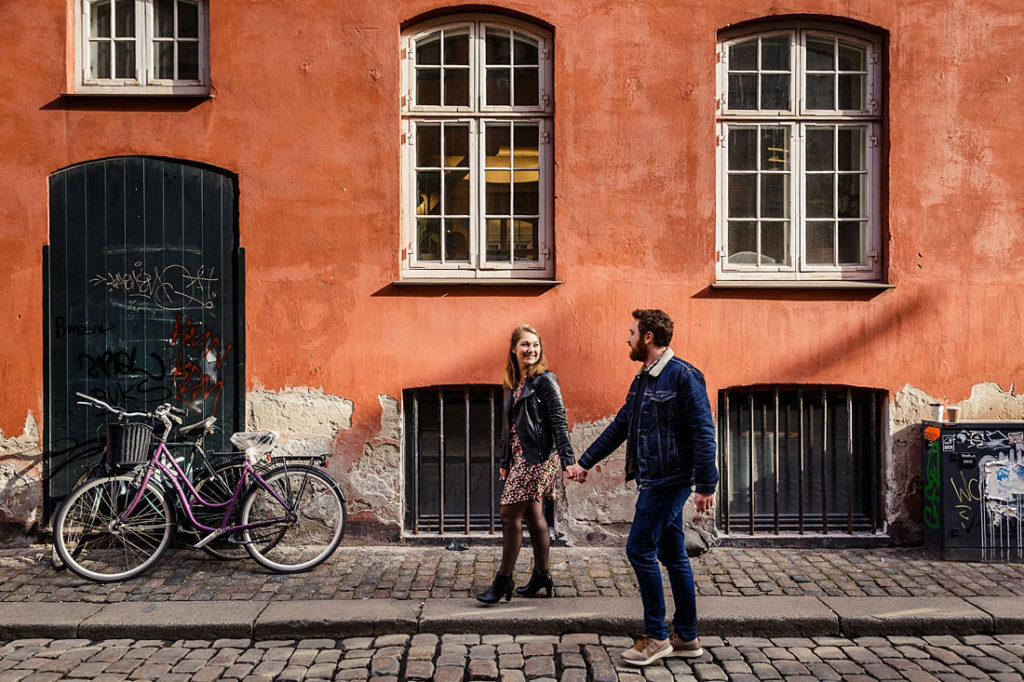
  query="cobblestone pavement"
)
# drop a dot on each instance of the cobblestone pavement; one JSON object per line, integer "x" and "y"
{"x": 504, "y": 658}
{"x": 434, "y": 572}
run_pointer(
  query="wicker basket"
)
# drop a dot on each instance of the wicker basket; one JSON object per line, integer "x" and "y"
{"x": 128, "y": 444}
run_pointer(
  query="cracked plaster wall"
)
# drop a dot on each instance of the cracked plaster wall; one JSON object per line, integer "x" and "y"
{"x": 21, "y": 489}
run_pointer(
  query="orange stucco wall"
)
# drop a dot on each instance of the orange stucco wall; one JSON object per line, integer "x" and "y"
{"x": 305, "y": 111}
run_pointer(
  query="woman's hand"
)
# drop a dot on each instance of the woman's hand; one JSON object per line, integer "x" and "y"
{"x": 503, "y": 473}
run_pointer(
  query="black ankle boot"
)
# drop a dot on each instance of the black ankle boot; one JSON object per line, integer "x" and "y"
{"x": 501, "y": 587}
{"x": 540, "y": 580}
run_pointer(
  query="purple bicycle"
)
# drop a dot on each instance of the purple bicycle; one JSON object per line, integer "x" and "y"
{"x": 290, "y": 518}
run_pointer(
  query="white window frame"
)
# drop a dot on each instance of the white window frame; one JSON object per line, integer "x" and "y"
{"x": 146, "y": 83}
{"x": 477, "y": 116}
{"x": 798, "y": 120}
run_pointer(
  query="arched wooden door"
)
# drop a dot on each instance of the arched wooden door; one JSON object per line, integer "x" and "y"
{"x": 143, "y": 295}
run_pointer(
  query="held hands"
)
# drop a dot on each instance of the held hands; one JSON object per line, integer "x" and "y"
{"x": 574, "y": 472}
{"x": 503, "y": 473}
{"x": 703, "y": 503}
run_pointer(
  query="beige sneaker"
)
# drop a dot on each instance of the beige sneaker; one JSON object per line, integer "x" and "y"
{"x": 685, "y": 649}
{"x": 647, "y": 651}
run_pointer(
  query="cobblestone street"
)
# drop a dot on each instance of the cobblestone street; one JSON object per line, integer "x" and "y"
{"x": 506, "y": 658}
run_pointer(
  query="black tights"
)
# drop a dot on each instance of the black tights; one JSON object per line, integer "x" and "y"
{"x": 512, "y": 535}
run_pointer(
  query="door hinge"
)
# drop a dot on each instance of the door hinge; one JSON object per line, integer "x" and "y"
{"x": 545, "y": 137}
{"x": 873, "y": 140}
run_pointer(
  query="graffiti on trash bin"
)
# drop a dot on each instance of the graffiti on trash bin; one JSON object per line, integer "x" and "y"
{"x": 1002, "y": 493}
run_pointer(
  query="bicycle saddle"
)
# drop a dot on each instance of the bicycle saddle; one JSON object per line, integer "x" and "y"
{"x": 205, "y": 426}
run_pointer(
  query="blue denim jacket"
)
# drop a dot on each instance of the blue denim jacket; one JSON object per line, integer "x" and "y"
{"x": 676, "y": 434}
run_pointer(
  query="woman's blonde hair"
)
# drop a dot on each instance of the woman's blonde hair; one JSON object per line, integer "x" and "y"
{"x": 511, "y": 378}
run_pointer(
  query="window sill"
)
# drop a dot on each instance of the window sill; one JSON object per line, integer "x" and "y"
{"x": 107, "y": 93}
{"x": 848, "y": 285}
{"x": 495, "y": 282}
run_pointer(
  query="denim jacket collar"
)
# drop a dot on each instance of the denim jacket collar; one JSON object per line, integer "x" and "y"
{"x": 656, "y": 368}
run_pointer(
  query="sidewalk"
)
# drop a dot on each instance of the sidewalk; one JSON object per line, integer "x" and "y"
{"x": 373, "y": 590}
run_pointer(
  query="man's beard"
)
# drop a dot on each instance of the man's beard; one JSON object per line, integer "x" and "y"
{"x": 638, "y": 351}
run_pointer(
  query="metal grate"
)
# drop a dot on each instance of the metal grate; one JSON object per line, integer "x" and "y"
{"x": 800, "y": 460}
{"x": 453, "y": 456}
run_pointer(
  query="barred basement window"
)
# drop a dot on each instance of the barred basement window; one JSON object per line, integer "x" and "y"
{"x": 800, "y": 459}
{"x": 453, "y": 454}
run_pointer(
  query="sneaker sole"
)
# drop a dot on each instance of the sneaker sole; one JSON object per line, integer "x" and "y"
{"x": 654, "y": 657}
{"x": 688, "y": 653}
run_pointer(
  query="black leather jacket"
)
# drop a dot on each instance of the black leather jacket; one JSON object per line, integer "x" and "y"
{"x": 539, "y": 416}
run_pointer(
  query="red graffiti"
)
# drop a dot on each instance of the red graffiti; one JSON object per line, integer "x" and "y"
{"x": 196, "y": 372}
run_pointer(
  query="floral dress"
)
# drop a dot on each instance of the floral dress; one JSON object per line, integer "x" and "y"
{"x": 528, "y": 482}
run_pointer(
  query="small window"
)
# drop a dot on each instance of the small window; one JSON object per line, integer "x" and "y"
{"x": 800, "y": 459}
{"x": 799, "y": 167}
{"x": 453, "y": 453}
{"x": 477, "y": 118}
{"x": 142, "y": 47}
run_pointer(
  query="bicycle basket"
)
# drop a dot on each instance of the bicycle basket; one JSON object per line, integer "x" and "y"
{"x": 128, "y": 443}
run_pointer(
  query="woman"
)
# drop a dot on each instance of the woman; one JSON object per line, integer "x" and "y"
{"x": 535, "y": 426}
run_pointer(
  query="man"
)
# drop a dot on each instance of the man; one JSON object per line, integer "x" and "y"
{"x": 670, "y": 447}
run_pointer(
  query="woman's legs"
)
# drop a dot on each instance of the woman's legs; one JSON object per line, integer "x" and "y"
{"x": 512, "y": 535}
{"x": 539, "y": 537}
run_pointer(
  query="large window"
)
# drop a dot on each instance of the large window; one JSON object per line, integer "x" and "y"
{"x": 142, "y": 46}
{"x": 477, "y": 113}
{"x": 798, "y": 155}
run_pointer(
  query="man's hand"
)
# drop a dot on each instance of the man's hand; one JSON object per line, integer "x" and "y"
{"x": 703, "y": 503}
{"x": 576, "y": 473}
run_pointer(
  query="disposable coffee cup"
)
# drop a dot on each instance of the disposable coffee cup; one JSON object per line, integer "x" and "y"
{"x": 953, "y": 413}
{"x": 936, "y": 411}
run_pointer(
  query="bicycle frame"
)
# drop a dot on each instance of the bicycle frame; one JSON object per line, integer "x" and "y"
{"x": 175, "y": 474}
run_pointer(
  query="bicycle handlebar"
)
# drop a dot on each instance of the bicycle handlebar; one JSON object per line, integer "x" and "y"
{"x": 165, "y": 413}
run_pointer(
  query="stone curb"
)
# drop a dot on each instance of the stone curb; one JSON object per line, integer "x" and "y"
{"x": 767, "y": 616}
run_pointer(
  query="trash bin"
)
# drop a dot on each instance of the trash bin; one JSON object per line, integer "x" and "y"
{"x": 974, "y": 490}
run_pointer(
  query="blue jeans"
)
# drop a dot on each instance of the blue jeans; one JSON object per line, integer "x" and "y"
{"x": 657, "y": 535}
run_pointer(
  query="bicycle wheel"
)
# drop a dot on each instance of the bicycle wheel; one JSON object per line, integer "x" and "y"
{"x": 93, "y": 545}
{"x": 219, "y": 486}
{"x": 313, "y": 535}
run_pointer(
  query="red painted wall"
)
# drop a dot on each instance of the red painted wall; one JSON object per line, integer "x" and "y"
{"x": 305, "y": 109}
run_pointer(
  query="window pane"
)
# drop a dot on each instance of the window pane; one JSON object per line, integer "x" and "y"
{"x": 456, "y": 192}
{"x": 163, "y": 53}
{"x": 456, "y": 240}
{"x": 527, "y": 150}
{"x": 851, "y": 57}
{"x": 742, "y": 91}
{"x": 456, "y": 48}
{"x": 527, "y": 194}
{"x": 820, "y": 149}
{"x": 775, "y": 196}
{"x": 188, "y": 19}
{"x": 775, "y": 91}
{"x": 428, "y": 145}
{"x": 852, "y": 149}
{"x": 821, "y": 92}
{"x": 821, "y": 54}
{"x": 526, "y": 247}
{"x": 742, "y": 148}
{"x": 124, "y": 59}
{"x": 526, "y": 87}
{"x": 820, "y": 247}
{"x": 428, "y": 193}
{"x": 188, "y": 61}
{"x": 428, "y": 239}
{"x": 526, "y": 52}
{"x": 775, "y": 53}
{"x": 498, "y": 240}
{"x": 124, "y": 18}
{"x": 742, "y": 243}
{"x": 428, "y": 86}
{"x": 852, "y": 243}
{"x": 497, "y": 145}
{"x": 163, "y": 18}
{"x": 456, "y": 146}
{"x": 820, "y": 191}
{"x": 99, "y": 59}
{"x": 774, "y": 243}
{"x": 99, "y": 20}
{"x": 774, "y": 148}
{"x": 499, "y": 193}
{"x": 499, "y": 46}
{"x": 428, "y": 49}
{"x": 499, "y": 87}
{"x": 851, "y": 92}
{"x": 851, "y": 196}
{"x": 742, "y": 196}
{"x": 456, "y": 87}
{"x": 743, "y": 56}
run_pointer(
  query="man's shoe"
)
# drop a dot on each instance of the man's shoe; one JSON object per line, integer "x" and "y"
{"x": 647, "y": 651}
{"x": 684, "y": 649}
